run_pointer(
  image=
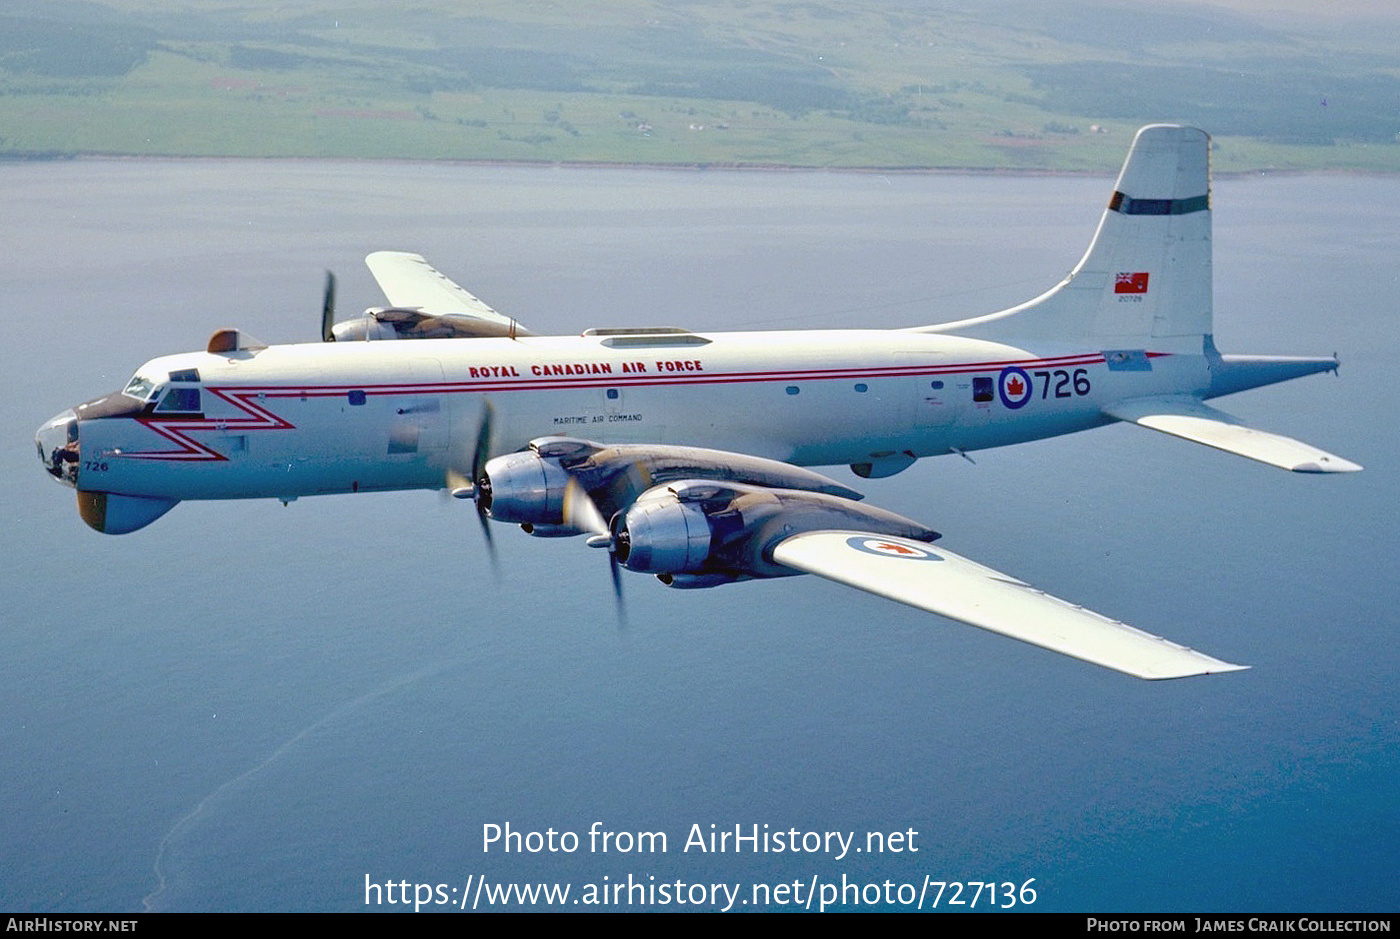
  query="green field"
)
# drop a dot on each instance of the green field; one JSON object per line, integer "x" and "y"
{"x": 893, "y": 85}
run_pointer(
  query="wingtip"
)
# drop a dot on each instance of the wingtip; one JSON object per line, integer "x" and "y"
{"x": 1328, "y": 464}
{"x": 1215, "y": 667}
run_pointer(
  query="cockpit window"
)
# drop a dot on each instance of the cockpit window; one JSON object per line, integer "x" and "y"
{"x": 180, "y": 400}
{"x": 140, "y": 387}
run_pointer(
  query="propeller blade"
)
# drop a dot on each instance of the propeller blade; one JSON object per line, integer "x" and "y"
{"x": 486, "y": 533}
{"x": 480, "y": 484}
{"x": 476, "y": 486}
{"x": 581, "y": 511}
{"x": 328, "y": 309}
{"x": 482, "y": 452}
{"x": 617, "y": 588}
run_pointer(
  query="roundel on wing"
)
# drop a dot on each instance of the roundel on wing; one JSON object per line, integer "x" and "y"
{"x": 891, "y": 548}
{"x": 1014, "y": 386}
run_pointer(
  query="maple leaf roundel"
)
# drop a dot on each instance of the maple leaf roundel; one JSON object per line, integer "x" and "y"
{"x": 1014, "y": 385}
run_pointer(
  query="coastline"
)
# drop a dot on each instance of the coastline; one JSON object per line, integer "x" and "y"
{"x": 694, "y": 167}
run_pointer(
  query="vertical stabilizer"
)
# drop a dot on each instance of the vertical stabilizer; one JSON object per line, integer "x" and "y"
{"x": 1145, "y": 281}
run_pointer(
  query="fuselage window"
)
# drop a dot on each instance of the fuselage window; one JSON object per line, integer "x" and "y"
{"x": 936, "y": 385}
{"x": 180, "y": 400}
{"x": 357, "y": 397}
{"x": 982, "y": 389}
{"x": 793, "y": 389}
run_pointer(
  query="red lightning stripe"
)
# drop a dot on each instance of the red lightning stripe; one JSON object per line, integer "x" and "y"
{"x": 175, "y": 429}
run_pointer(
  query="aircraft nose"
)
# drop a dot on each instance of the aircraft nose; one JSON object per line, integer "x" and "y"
{"x": 57, "y": 443}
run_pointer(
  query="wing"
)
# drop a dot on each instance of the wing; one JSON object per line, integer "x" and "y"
{"x": 945, "y": 583}
{"x": 1192, "y": 419}
{"x": 702, "y": 518}
{"x": 411, "y": 283}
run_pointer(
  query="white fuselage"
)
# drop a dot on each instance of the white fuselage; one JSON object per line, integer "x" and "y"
{"x": 289, "y": 421}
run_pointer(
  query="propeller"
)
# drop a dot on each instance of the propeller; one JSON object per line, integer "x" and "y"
{"x": 582, "y": 512}
{"x": 478, "y": 487}
{"x": 328, "y": 309}
{"x": 578, "y": 511}
{"x": 480, "y": 455}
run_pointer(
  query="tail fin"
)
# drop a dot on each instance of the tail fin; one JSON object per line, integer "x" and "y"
{"x": 1146, "y": 278}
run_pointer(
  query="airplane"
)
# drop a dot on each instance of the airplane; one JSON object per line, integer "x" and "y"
{"x": 683, "y": 453}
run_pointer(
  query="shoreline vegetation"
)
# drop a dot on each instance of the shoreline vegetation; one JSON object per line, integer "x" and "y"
{"x": 775, "y": 168}
{"x": 877, "y": 86}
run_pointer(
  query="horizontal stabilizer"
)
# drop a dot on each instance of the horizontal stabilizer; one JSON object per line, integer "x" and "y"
{"x": 1188, "y": 418}
{"x": 942, "y": 582}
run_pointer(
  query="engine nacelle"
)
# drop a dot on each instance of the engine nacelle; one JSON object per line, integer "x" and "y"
{"x": 525, "y": 489}
{"x": 664, "y": 535}
{"x": 409, "y": 323}
{"x": 530, "y": 488}
{"x": 699, "y": 533}
{"x": 363, "y": 328}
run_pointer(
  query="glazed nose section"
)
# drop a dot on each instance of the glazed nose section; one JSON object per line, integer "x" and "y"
{"x": 57, "y": 443}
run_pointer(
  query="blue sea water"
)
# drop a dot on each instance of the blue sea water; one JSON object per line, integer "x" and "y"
{"x": 252, "y": 707}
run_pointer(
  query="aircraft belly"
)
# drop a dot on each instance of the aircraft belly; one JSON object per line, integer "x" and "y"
{"x": 248, "y": 478}
{"x": 987, "y": 434}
